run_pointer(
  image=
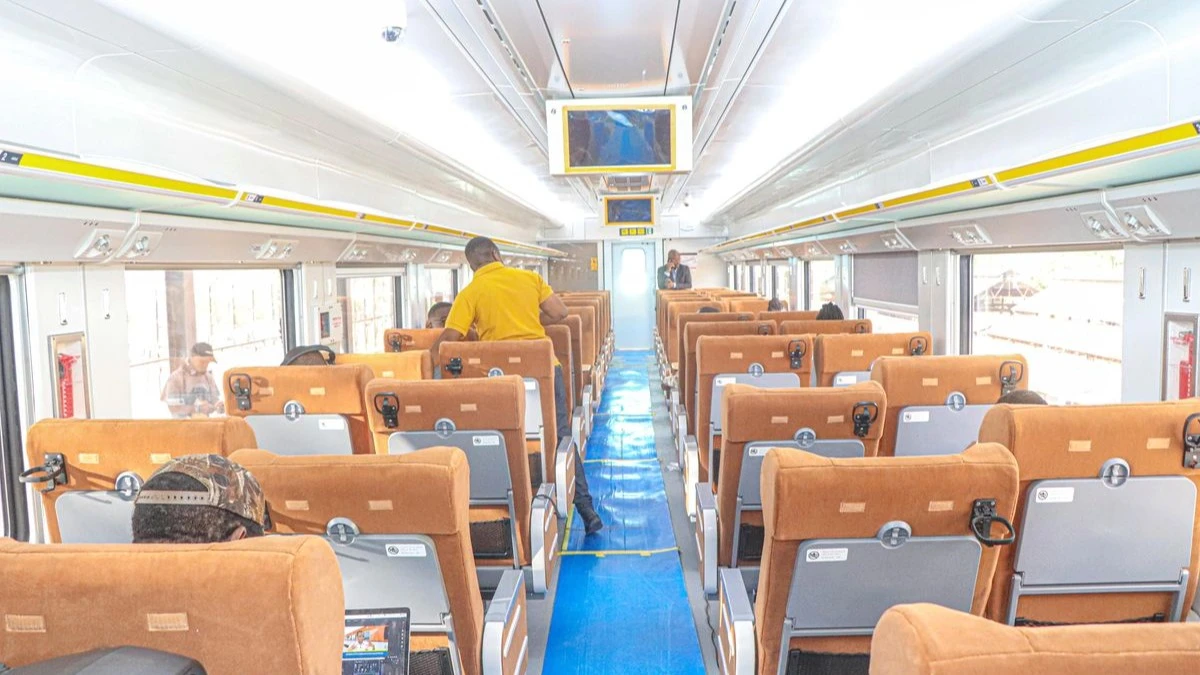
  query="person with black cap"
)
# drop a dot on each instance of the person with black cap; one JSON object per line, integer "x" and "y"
{"x": 191, "y": 391}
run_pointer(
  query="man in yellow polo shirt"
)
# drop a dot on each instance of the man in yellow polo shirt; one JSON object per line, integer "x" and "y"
{"x": 504, "y": 303}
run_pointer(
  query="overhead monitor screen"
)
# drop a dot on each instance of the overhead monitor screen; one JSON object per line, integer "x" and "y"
{"x": 629, "y": 210}
{"x": 626, "y": 139}
{"x": 651, "y": 134}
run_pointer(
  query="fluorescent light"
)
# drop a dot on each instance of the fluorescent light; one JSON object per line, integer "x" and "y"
{"x": 336, "y": 49}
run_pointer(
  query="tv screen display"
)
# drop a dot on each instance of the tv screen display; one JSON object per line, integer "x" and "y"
{"x": 622, "y": 138}
{"x": 629, "y": 211}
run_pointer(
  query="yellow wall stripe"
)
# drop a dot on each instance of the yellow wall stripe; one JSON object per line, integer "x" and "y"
{"x": 1181, "y": 132}
{"x": 71, "y": 167}
{"x": 1155, "y": 139}
{"x": 281, "y": 203}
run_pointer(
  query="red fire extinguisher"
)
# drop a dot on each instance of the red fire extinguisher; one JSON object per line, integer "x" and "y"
{"x": 66, "y": 385}
{"x": 1187, "y": 382}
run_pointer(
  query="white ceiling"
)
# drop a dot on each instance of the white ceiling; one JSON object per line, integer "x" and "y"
{"x": 802, "y": 106}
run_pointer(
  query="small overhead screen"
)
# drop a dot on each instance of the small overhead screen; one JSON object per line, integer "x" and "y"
{"x": 638, "y": 210}
{"x": 630, "y": 135}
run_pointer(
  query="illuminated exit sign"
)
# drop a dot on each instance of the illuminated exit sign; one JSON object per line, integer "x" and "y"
{"x": 637, "y": 231}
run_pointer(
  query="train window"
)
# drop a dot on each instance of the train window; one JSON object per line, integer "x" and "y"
{"x": 783, "y": 284}
{"x": 822, "y": 282}
{"x": 889, "y": 320}
{"x": 743, "y": 277}
{"x": 368, "y": 309}
{"x": 238, "y": 312}
{"x": 443, "y": 285}
{"x": 633, "y": 270}
{"x": 1062, "y": 310}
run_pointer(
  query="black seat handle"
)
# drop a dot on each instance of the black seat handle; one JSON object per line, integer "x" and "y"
{"x": 52, "y": 472}
{"x": 241, "y": 385}
{"x": 1011, "y": 374}
{"x": 454, "y": 366}
{"x": 917, "y": 345}
{"x": 796, "y": 351}
{"x": 983, "y": 516}
{"x": 864, "y": 415}
{"x": 1191, "y": 443}
{"x": 387, "y": 404}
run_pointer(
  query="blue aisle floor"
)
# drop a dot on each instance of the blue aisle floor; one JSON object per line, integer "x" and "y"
{"x": 621, "y": 605}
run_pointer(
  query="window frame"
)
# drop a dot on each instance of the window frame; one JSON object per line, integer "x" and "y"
{"x": 14, "y": 507}
{"x": 399, "y": 286}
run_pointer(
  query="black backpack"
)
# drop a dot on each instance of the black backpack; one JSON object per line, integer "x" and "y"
{"x": 309, "y": 355}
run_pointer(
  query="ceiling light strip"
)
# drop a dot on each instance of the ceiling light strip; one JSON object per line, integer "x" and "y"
{"x": 1155, "y": 140}
{"x": 121, "y": 178}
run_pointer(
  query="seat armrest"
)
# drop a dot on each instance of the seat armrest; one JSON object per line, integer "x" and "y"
{"x": 588, "y": 409}
{"x": 564, "y": 473}
{"x": 579, "y": 430}
{"x": 543, "y": 537}
{"x": 691, "y": 474}
{"x": 706, "y": 536}
{"x": 505, "y": 629}
{"x": 735, "y": 641}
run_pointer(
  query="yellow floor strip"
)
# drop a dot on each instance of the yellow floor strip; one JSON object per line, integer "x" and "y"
{"x": 644, "y": 553}
{"x": 567, "y": 531}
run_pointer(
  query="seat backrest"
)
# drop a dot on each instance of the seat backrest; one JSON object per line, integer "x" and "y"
{"x": 423, "y": 493}
{"x": 601, "y": 316}
{"x": 406, "y": 365}
{"x": 818, "y": 327}
{"x": 604, "y": 316}
{"x": 663, "y": 299}
{"x": 574, "y": 324}
{"x": 780, "y": 317}
{"x": 687, "y": 319}
{"x": 273, "y": 602}
{"x": 930, "y": 380}
{"x": 587, "y": 326}
{"x": 1075, "y": 442}
{"x": 406, "y": 339}
{"x": 674, "y": 311}
{"x": 809, "y": 499}
{"x": 93, "y": 453}
{"x": 718, "y": 355}
{"x": 478, "y": 404}
{"x": 851, "y": 352}
{"x": 321, "y": 390}
{"x": 736, "y": 304}
{"x": 533, "y": 359}
{"x": 753, "y": 415}
{"x": 560, "y": 337}
{"x": 692, "y": 333}
{"x": 923, "y": 639}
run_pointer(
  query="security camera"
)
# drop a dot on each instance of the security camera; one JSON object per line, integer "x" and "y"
{"x": 397, "y": 21}
{"x": 393, "y": 33}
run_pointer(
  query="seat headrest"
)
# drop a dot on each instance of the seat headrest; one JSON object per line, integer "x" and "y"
{"x": 586, "y": 314}
{"x": 405, "y": 339}
{"x": 856, "y": 351}
{"x": 1076, "y": 441}
{"x": 930, "y": 379}
{"x": 678, "y": 307}
{"x": 97, "y": 451}
{"x": 753, "y": 414}
{"x": 407, "y": 365}
{"x": 477, "y": 403}
{"x": 735, "y": 353}
{"x": 694, "y": 330}
{"x": 817, "y": 327}
{"x": 274, "y": 602}
{"x": 322, "y": 390}
{"x": 923, "y": 638}
{"x": 527, "y": 358}
{"x": 855, "y": 497}
{"x": 780, "y": 317}
{"x": 424, "y": 492}
{"x": 747, "y": 304}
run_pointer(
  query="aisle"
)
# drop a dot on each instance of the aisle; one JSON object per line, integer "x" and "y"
{"x": 621, "y": 605}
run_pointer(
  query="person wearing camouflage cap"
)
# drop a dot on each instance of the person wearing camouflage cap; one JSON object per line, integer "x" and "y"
{"x": 199, "y": 499}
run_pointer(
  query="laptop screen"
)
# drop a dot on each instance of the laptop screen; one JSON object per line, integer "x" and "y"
{"x": 376, "y": 643}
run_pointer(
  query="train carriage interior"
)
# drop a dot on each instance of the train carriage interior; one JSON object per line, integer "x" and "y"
{"x": 680, "y": 337}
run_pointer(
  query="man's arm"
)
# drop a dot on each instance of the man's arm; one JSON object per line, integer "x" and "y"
{"x": 448, "y": 335}
{"x": 683, "y": 277}
{"x": 552, "y": 310}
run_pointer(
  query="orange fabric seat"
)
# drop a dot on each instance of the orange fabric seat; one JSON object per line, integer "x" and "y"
{"x": 421, "y": 493}
{"x": 407, "y": 365}
{"x": 806, "y": 497}
{"x": 322, "y": 390}
{"x": 96, "y": 452}
{"x": 818, "y": 327}
{"x": 1056, "y": 442}
{"x": 273, "y": 602}
{"x": 410, "y": 339}
{"x": 846, "y": 352}
{"x": 692, "y": 333}
{"x": 676, "y": 310}
{"x": 925, "y": 639}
